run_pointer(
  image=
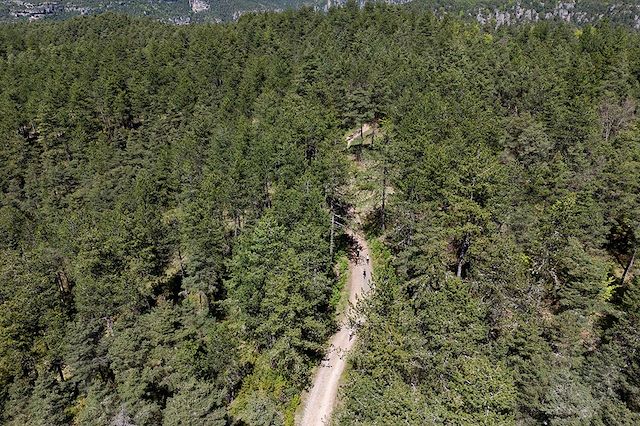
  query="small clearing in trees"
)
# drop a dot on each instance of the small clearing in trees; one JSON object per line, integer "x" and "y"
{"x": 369, "y": 133}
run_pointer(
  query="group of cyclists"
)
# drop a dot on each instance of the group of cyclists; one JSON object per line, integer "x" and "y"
{"x": 364, "y": 271}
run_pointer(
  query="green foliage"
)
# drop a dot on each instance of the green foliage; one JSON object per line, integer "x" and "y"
{"x": 337, "y": 292}
{"x": 165, "y": 219}
{"x": 161, "y": 238}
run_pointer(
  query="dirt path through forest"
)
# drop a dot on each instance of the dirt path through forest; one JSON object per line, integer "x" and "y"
{"x": 321, "y": 399}
{"x": 356, "y": 134}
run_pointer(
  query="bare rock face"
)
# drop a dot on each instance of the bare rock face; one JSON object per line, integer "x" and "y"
{"x": 564, "y": 10}
{"x": 198, "y": 6}
{"x": 36, "y": 11}
{"x": 486, "y": 12}
{"x": 572, "y": 11}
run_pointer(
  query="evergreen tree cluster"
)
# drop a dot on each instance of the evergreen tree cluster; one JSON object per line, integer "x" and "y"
{"x": 164, "y": 223}
{"x": 165, "y": 219}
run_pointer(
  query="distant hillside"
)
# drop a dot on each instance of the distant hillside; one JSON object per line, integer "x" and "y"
{"x": 509, "y": 12}
{"x": 495, "y": 12}
{"x": 177, "y": 11}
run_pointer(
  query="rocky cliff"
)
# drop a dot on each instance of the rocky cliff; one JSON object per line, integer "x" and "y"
{"x": 491, "y": 12}
{"x": 578, "y": 12}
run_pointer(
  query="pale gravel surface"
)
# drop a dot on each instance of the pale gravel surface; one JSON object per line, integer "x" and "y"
{"x": 321, "y": 399}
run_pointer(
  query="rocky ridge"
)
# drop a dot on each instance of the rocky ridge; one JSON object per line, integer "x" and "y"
{"x": 486, "y": 12}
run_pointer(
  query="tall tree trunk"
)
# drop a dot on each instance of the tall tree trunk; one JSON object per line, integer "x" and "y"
{"x": 58, "y": 368}
{"x": 267, "y": 196}
{"x": 236, "y": 220}
{"x": 64, "y": 287}
{"x": 384, "y": 196}
{"x": 333, "y": 225}
{"x": 466, "y": 242}
{"x": 182, "y": 271}
{"x": 629, "y": 264}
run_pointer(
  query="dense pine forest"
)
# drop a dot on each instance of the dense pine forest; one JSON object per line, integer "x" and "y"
{"x": 165, "y": 219}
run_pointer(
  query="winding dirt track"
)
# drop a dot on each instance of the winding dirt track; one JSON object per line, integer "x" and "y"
{"x": 321, "y": 399}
